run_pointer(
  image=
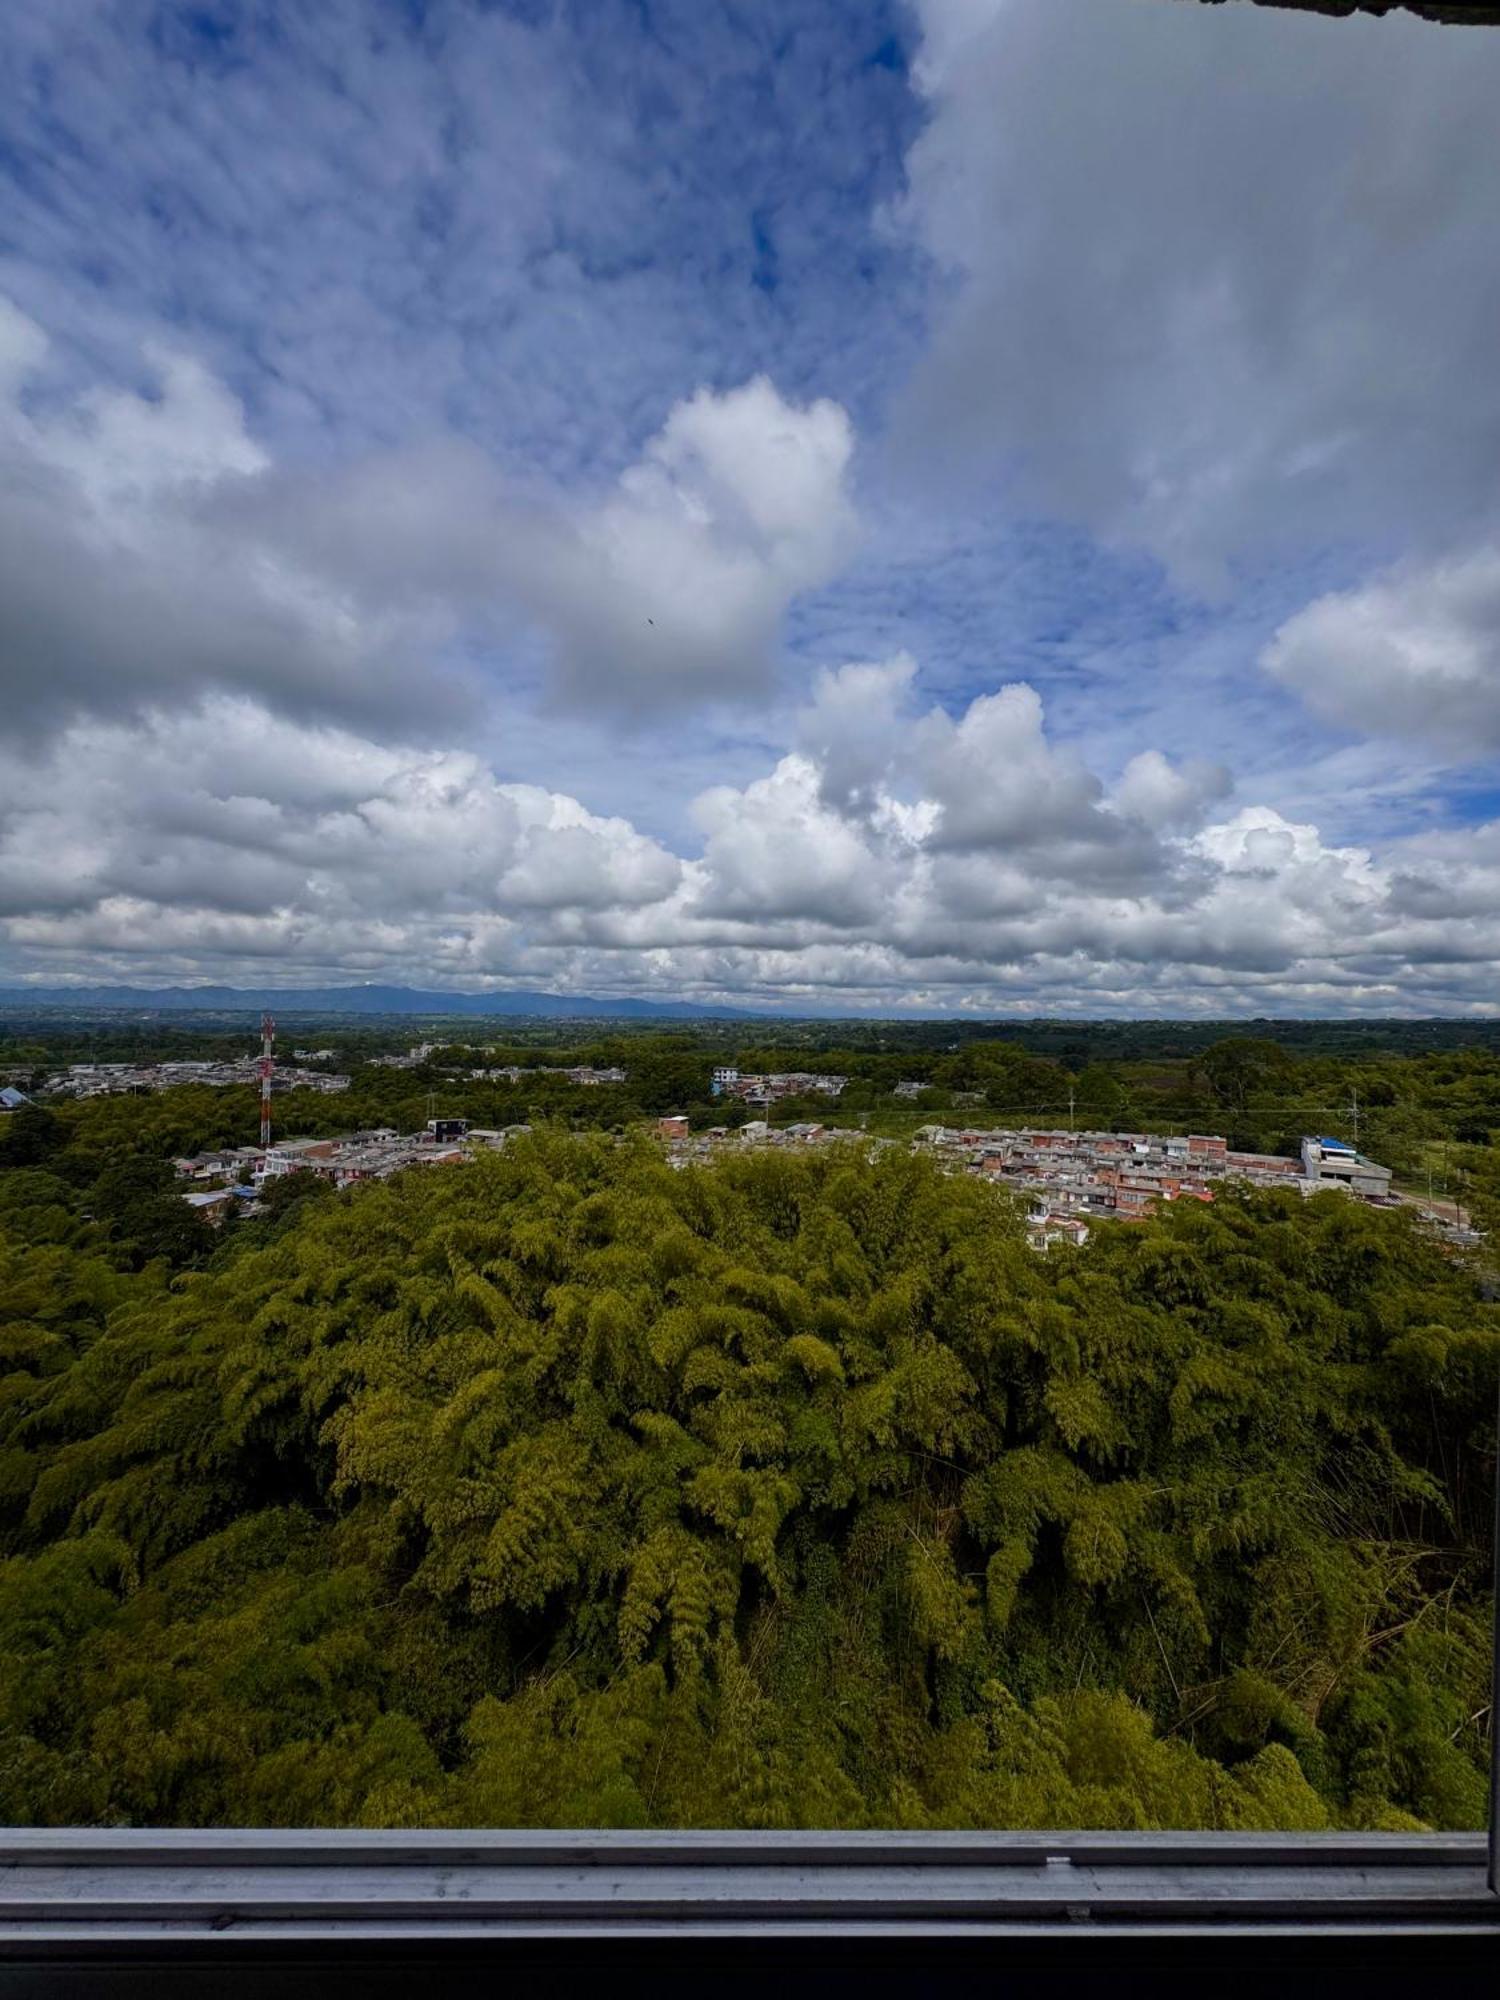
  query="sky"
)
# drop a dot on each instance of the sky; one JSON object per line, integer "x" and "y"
{"x": 985, "y": 507}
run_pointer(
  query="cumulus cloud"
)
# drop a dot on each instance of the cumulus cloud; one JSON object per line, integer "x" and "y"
{"x": 777, "y": 850}
{"x": 853, "y": 727}
{"x": 676, "y": 584}
{"x": 148, "y": 546}
{"x": 669, "y": 587}
{"x": 1160, "y": 794}
{"x": 216, "y": 841}
{"x": 1451, "y": 876}
{"x": 1226, "y": 279}
{"x": 998, "y": 781}
{"x": 125, "y": 576}
{"x": 127, "y": 836}
{"x": 1415, "y": 653}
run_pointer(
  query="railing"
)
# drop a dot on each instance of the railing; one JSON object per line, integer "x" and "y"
{"x": 136, "y": 1887}
{"x": 137, "y": 1893}
{"x": 1494, "y": 1853}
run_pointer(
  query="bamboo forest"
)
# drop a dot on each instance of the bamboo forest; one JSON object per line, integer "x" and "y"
{"x": 566, "y": 1488}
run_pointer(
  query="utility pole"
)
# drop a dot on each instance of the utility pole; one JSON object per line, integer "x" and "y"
{"x": 1072, "y": 1101}
{"x": 267, "y": 1066}
{"x": 1354, "y": 1115}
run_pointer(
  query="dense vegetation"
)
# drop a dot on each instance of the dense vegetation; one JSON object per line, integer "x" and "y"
{"x": 564, "y": 1488}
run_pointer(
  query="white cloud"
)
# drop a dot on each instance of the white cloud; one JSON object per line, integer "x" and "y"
{"x": 126, "y": 578}
{"x": 853, "y": 727}
{"x": 775, "y": 850}
{"x": 997, "y": 779}
{"x": 150, "y": 548}
{"x": 221, "y": 842}
{"x": 1226, "y": 277}
{"x": 1161, "y": 794}
{"x": 675, "y": 586}
{"x": 121, "y": 449}
{"x": 229, "y": 815}
{"x": 669, "y": 588}
{"x": 1415, "y": 653}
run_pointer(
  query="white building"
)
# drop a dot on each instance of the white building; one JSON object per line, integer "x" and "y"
{"x": 1333, "y": 1163}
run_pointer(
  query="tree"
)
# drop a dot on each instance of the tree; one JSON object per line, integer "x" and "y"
{"x": 1243, "y": 1067}
{"x": 281, "y": 1194}
{"x": 31, "y": 1135}
{"x": 1100, "y": 1095}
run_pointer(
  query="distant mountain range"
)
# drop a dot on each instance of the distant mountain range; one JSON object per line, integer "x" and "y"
{"x": 355, "y": 1000}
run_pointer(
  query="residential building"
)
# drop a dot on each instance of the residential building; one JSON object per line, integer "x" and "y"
{"x": 215, "y": 1204}
{"x": 1333, "y": 1163}
{"x": 1123, "y": 1174}
{"x": 770, "y": 1089}
{"x": 83, "y": 1080}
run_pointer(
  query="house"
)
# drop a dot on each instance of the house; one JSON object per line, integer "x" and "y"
{"x": 12, "y": 1099}
{"x": 292, "y": 1155}
{"x": 214, "y": 1204}
{"x": 1334, "y": 1163}
{"x": 1045, "y": 1227}
{"x": 493, "y": 1138}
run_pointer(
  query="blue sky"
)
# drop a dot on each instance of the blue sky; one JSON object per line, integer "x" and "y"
{"x": 534, "y": 224}
{"x": 578, "y": 436}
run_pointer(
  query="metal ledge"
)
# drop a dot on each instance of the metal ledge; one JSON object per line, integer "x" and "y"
{"x": 133, "y": 1888}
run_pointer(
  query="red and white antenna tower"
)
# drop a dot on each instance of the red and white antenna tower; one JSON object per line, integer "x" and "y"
{"x": 267, "y": 1065}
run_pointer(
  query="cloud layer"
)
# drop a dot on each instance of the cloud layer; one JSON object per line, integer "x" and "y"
{"x": 983, "y": 504}
{"x": 975, "y": 866}
{"x": 1228, "y": 280}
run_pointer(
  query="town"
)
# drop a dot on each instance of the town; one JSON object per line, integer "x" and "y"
{"x": 234, "y": 1177}
{"x": 422, "y": 1054}
{"x": 1076, "y": 1178}
{"x": 124, "y": 1079}
{"x": 1071, "y": 1181}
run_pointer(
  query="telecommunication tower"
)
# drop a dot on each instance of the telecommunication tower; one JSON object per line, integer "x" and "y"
{"x": 267, "y": 1065}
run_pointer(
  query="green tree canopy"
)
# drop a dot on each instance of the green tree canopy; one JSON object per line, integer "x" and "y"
{"x": 566, "y": 1488}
